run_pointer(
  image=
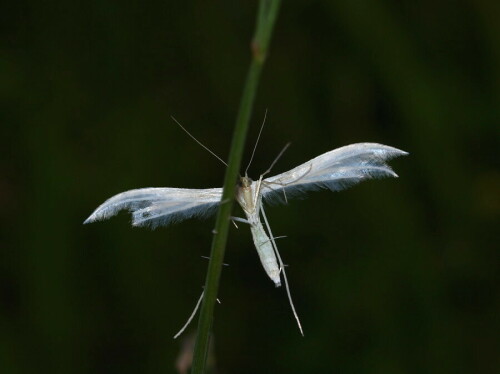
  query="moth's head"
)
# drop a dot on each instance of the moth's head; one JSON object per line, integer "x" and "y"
{"x": 245, "y": 182}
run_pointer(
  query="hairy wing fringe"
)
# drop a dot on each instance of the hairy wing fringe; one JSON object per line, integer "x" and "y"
{"x": 159, "y": 206}
{"x": 154, "y": 217}
{"x": 335, "y": 170}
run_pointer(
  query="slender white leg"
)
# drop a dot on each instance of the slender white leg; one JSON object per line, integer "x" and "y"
{"x": 190, "y": 317}
{"x": 282, "y": 268}
{"x": 242, "y": 220}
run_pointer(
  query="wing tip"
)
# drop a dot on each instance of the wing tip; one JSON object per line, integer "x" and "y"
{"x": 395, "y": 152}
{"x": 385, "y": 151}
{"x": 92, "y": 218}
{"x": 99, "y": 214}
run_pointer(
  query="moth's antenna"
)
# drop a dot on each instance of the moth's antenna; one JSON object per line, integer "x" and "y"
{"x": 257, "y": 142}
{"x": 277, "y": 158}
{"x": 197, "y": 141}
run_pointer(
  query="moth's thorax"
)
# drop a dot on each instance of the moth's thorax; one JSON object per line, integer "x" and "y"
{"x": 248, "y": 196}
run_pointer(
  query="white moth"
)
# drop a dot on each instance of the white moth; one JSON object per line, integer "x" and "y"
{"x": 334, "y": 170}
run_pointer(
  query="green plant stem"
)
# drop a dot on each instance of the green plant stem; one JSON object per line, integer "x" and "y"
{"x": 266, "y": 17}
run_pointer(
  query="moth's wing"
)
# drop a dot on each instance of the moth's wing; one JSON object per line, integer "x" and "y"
{"x": 160, "y": 206}
{"x": 334, "y": 170}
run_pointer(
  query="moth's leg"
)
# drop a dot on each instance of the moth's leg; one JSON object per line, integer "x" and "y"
{"x": 276, "y": 159}
{"x": 283, "y": 185}
{"x": 284, "y": 194}
{"x": 225, "y": 201}
{"x": 282, "y": 268}
{"x": 238, "y": 219}
{"x": 267, "y": 183}
{"x": 190, "y": 317}
{"x": 197, "y": 306}
{"x": 257, "y": 189}
{"x": 276, "y": 237}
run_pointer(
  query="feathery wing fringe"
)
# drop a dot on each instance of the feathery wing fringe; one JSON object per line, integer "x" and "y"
{"x": 160, "y": 206}
{"x": 334, "y": 170}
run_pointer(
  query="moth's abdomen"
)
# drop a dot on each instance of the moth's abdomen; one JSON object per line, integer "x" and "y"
{"x": 266, "y": 253}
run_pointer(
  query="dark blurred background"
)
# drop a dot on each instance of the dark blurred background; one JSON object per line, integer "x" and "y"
{"x": 391, "y": 276}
